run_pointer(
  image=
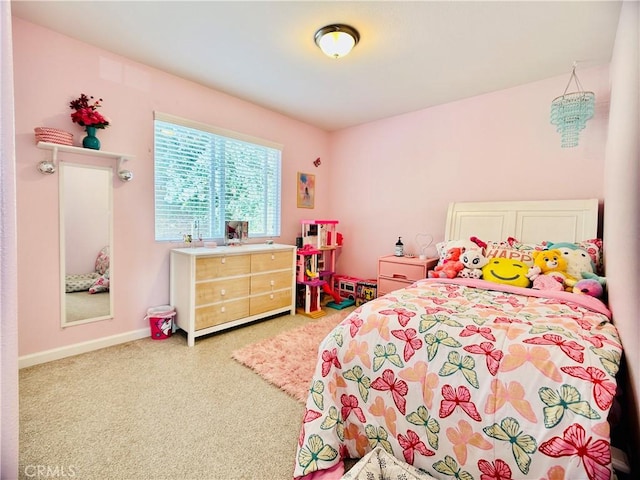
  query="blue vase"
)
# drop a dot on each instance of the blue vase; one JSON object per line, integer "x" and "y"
{"x": 91, "y": 141}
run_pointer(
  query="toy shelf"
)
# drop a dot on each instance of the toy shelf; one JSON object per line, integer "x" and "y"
{"x": 316, "y": 265}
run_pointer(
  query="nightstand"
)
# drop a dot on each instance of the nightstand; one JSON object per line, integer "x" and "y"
{"x": 400, "y": 272}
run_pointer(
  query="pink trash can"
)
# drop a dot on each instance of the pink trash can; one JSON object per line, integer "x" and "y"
{"x": 161, "y": 321}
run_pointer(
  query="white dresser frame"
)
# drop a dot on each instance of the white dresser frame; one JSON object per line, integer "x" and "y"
{"x": 183, "y": 292}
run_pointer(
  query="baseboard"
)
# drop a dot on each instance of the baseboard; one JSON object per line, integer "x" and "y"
{"x": 78, "y": 348}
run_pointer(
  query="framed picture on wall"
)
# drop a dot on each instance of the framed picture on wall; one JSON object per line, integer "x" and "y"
{"x": 306, "y": 190}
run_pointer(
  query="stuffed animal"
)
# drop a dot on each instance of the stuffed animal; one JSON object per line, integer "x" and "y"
{"x": 450, "y": 266}
{"x": 590, "y": 286}
{"x": 478, "y": 242}
{"x": 548, "y": 282}
{"x": 553, "y": 263}
{"x": 473, "y": 261}
{"x": 506, "y": 270}
{"x": 578, "y": 259}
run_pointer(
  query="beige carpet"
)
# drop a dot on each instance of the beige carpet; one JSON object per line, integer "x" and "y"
{"x": 288, "y": 360}
{"x": 83, "y": 305}
{"x": 157, "y": 409}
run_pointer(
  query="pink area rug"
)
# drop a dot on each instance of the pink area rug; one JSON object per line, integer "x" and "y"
{"x": 288, "y": 360}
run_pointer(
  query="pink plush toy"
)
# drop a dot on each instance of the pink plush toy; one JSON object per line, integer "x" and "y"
{"x": 451, "y": 265}
{"x": 547, "y": 282}
{"x": 589, "y": 286}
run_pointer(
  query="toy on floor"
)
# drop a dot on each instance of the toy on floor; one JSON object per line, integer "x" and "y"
{"x": 317, "y": 251}
{"x": 367, "y": 290}
{"x": 338, "y": 302}
{"x": 345, "y": 288}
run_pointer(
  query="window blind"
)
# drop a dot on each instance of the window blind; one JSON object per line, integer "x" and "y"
{"x": 205, "y": 176}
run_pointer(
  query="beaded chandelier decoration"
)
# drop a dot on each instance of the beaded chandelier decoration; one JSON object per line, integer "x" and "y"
{"x": 570, "y": 112}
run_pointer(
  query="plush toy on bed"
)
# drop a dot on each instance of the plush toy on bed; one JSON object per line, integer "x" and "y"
{"x": 590, "y": 286}
{"x": 550, "y": 263}
{"x": 578, "y": 259}
{"x": 548, "y": 282}
{"x": 507, "y": 271}
{"x": 450, "y": 266}
{"x": 473, "y": 261}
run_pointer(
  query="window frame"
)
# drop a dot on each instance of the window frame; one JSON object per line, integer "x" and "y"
{"x": 215, "y": 231}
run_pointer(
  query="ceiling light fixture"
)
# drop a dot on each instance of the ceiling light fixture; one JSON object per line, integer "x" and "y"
{"x": 337, "y": 40}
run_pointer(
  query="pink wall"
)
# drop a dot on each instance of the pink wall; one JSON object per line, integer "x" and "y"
{"x": 380, "y": 180}
{"x": 396, "y": 177}
{"x": 49, "y": 71}
{"x": 622, "y": 228}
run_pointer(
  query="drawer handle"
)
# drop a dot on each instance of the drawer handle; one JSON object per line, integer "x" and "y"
{"x": 399, "y": 275}
{"x": 222, "y": 309}
{"x": 223, "y": 292}
{"x": 272, "y": 282}
{"x": 271, "y": 296}
{"x": 223, "y": 260}
{"x": 273, "y": 257}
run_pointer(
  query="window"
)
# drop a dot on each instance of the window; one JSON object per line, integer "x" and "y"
{"x": 205, "y": 176}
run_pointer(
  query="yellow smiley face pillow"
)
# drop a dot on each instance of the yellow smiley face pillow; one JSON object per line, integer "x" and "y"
{"x": 507, "y": 271}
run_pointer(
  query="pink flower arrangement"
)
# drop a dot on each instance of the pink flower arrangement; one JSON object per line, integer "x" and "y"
{"x": 86, "y": 114}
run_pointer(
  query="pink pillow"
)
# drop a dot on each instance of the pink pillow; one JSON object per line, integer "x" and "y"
{"x": 102, "y": 261}
{"x": 101, "y": 284}
{"x": 511, "y": 249}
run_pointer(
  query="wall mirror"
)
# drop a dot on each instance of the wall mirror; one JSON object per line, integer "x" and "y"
{"x": 86, "y": 226}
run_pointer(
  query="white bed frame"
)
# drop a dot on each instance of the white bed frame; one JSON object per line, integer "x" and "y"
{"x": 527, "y": 221}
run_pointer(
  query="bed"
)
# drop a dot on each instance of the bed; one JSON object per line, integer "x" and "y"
{"x": 471, "y": 379}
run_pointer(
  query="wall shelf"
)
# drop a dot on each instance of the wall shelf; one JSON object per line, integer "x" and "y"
{"x": 49, "y": 167}
{"x": 56, "y": 147}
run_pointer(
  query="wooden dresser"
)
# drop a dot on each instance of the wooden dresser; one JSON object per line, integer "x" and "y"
{"x": 217, "y": 288}
{"x": 400, "y": 272}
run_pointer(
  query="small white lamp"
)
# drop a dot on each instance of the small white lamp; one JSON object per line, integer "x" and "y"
{"x": 337, "y": 40}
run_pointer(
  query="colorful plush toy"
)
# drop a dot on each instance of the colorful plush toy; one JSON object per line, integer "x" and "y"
{"x": 590, "y": 286}
{"x": 450, "y": 266}
{"x": 578, "y": 259}
{"x": 506, "y": 270}
{"x": 473, "y": 261}
{"x": 551, "y": 263}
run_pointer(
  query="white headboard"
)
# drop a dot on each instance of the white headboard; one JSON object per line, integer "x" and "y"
{"x": 527, "y": 221}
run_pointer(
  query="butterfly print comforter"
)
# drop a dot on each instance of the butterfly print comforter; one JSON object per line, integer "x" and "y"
{"x": 467, "y": 379}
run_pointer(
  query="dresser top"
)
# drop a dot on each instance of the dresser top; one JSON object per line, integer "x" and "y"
{"x": 232, "y": 250}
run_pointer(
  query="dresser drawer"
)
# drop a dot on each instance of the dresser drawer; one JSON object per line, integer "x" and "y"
{"x": 264, "y": 262}
{"x": 217, "y": 290}
{"x": 267, "y": 282}
{"x": 222, "y": 266}
{"x": 386, "y": 285}
{"x": 401, "y": 271}
{"x": 270, "y": 301}
{"x": 221, "y": 313}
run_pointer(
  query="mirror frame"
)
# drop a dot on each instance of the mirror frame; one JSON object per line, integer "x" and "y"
{"x": 62, "y": 233}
